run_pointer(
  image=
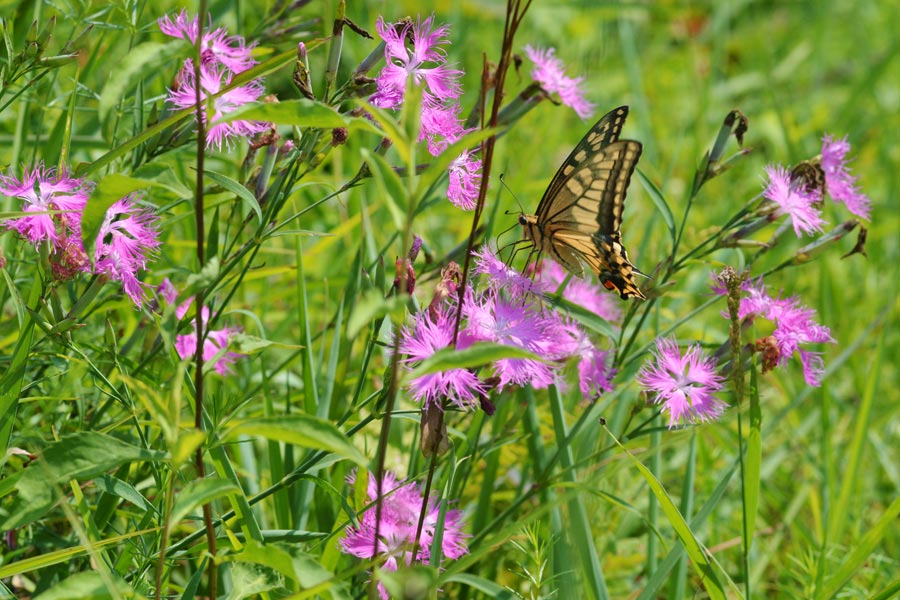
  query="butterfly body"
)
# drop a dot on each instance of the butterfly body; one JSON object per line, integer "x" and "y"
{"x": 578, "y": 218}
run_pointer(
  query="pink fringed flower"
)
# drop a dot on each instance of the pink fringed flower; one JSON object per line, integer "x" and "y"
{"x": 167, "y": 292}
{"x": 127, "y": 237}
{"x": 215, "y": 345}
{"x": 516, "y": 322}
{"x": 213, "y": 78}
{"x": 793, "y": 200}
{"x": 441, "y": 125}
{"x": 43, "y": 190}
{"x": 595, "y": 373}
{"x": 465, "y": 179}
{"x": 424, "y": 63}
{"x": 231, "y": 51}
{"x": 426, "y": 336}
{"x": 400, "y": 508}
{"x": 550, "y": 72}
{"x": 841, "y": 185}
{"x": 794, "y": 325}
{"x": 684, "y": 384}
{"x": 500, "y": 276}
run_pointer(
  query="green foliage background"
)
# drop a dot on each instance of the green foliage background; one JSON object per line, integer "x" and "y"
{"x": 829, "y": 459}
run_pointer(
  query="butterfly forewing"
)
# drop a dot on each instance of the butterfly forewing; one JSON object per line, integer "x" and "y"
{"x": 603, "y": 133}
{"x": 594, "y": 194}
{"x": 578, "y": 218}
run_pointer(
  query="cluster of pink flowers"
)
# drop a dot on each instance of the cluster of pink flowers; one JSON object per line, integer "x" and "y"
{"x": 127, "y": 236}
{"x": 401, "y": 504}
{"x": 685, "y": 383}
{"x": 550, "y": 72}
{"x": 216, "y": 342}
{"x": 222, "y": 56}
{"x": 794, "y": 325}
{"x": 507, "y": 311}
{"x": 441, "y": 125}
{"x": 801, "y": 202}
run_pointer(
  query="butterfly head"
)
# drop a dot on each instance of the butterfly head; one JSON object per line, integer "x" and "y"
{"x": 529, "y": 224}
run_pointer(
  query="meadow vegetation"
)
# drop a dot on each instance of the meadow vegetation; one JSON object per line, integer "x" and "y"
{"x": 296, "y": 348}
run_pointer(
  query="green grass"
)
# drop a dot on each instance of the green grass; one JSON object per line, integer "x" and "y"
{"x": 794, "y": 493}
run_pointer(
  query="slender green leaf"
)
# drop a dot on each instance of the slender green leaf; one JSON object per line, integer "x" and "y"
{"x": 226, "y": 471}
{"x": 197, "y": 493}
{"x": 678, "y": 583}
{"x": 393, "y": 192}
{"x": 288, "y": 560}
{"x": 88, "y": 585}
{"x": 65, "y": 555}
{"x": 80, "y": 456}
{"x": 589, "y": 319}
{"x": 890, "y": 591}
{"x": 580, "y": 530}
{"x": 251, "y": 344}
{"x": 298, "y": 113}
{"x": 852, "y": 457}
{"x": 476, "y": 355}
{"x": 661, "y": 205}
{"x": 124, "y": 490}
{"x": 861, "y": 551}
{"x": 301, "y": 430}
{"x": 11, "y": 382}
{"x": 390, "y": 129}
{"x": 373, "y": 305}
{"x": 186, "y": 445}
{"x": 245, "y": 195}
{"x": 705, "y": 569}
{"x": 491, "y": 589}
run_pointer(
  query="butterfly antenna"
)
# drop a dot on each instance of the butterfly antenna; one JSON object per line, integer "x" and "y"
{"x": 511, "y": 193}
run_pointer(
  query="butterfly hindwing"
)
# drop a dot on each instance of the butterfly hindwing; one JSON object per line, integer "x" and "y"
{"x": 579, "y": 216}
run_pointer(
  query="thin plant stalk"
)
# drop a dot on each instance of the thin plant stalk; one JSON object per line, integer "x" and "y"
{"x": 212, "y": 583}
{"x": 515, "y": 13}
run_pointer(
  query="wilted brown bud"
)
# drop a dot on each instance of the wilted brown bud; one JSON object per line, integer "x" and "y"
{"x": 409, "y": 278}
{"x": 768, "y": 349}
{"x": 68, "y": 260}
{"x": 449, "y": 284}
{"x": 810, "y": 176}
{"x": 434, "y": 431}
{"x": 860, "y": 247}
{"x": 338, "y": 136}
